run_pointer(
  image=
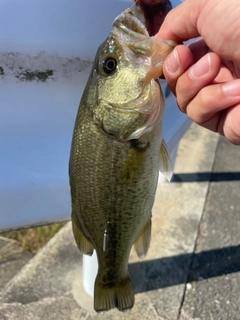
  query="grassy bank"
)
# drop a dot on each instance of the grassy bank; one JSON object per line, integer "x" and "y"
{"x": 32, "y": 239}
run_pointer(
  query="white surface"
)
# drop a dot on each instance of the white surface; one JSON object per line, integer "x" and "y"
{"x": 35, "y": 139}
{"x": 69, "y": 27}
{"x": 89, "y": 272}
{"x": 37, "y": 119}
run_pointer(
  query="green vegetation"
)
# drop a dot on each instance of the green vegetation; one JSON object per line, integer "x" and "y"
{"x": 33, "y": 239}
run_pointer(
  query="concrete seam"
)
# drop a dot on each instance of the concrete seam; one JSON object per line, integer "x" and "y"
{"x": 198, "y": 231}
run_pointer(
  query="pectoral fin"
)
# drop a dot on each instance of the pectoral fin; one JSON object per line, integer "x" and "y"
{"x": 84, "y": 245}
{"x": 165, "y": 162}
{"x": 134, "y": 163}
{"x": 142, "y": 243}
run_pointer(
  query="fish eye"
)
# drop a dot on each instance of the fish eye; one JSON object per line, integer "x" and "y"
{"x": 109, "y": 65}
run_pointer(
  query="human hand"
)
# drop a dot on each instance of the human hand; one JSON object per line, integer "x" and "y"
{"x": 205, "y": 75}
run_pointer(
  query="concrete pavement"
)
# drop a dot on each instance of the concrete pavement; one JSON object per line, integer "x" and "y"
{"x": 192, "y": 270}
{"x": 214, "y": 276}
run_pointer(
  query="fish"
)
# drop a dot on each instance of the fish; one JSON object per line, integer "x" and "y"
{"x": 116, "y": 153}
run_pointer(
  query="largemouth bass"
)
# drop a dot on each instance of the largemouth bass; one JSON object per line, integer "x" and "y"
{"x": 117, "y": 152}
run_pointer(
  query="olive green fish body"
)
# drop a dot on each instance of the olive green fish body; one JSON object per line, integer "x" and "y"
{"x": 115, "y": 159}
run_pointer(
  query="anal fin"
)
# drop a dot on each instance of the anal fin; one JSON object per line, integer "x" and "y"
{"x": 142, "y": 243}
{"x": 165, "y": 162}
{"x": 84, "y": 245}
{"x": 108, "y": 297}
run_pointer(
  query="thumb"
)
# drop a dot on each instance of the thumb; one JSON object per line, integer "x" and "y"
{"x": 180, "y": 23}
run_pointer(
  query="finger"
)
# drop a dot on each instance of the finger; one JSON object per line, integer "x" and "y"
{"x": 229, "y": 124}
{"x": 208, "y": 106}
{"x": 228, "y": 70}
{"x": 179, "y": 25}
{"x": 197, "y": 76}
{"x": 199, "y": 49}
{"x": 176, "y": 64}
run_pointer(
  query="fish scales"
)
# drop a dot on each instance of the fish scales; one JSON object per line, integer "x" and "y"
{"x": 117, "y": 151}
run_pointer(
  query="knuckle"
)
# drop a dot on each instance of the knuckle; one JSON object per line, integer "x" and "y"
{"x": 210, "y": 95}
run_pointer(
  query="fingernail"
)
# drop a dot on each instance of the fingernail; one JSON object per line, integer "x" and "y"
{"x": 200, "y": 68}
{"x": 173, "y": 62}
{"x": 232, "y": 88}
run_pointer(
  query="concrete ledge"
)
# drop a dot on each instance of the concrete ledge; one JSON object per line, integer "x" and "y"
{"x": 46, "y": 286}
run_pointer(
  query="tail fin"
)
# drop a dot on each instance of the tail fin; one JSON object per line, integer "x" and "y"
{"x": 119, "y": 296}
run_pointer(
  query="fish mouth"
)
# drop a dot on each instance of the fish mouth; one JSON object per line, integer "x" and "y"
{"x": 130, "y": 25}
{"x": 130, "y": 32}
{"x": 137, "y": 45}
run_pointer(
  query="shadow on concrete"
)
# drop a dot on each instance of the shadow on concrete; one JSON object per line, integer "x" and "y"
{"x": 206, "y": 176}
{"x": 166, "y": 272}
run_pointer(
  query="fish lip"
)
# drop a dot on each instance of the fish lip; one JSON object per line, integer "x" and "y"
{"x": 131, "y": 32}
{"x": 129, "y": 24}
